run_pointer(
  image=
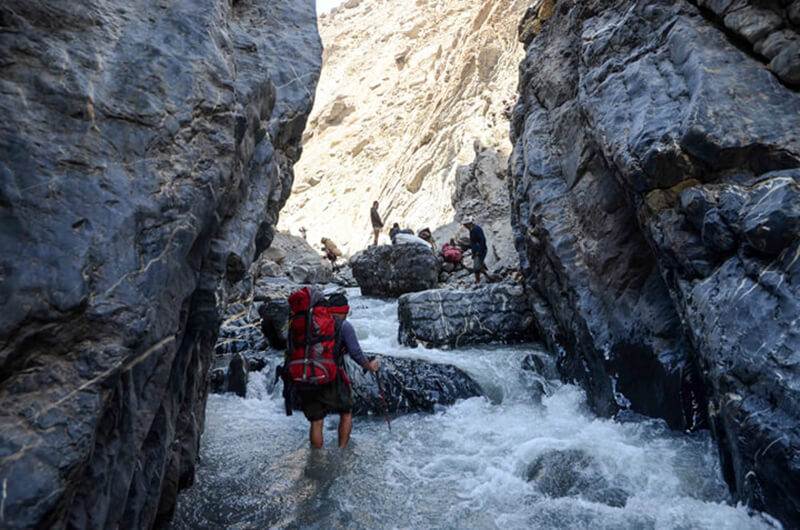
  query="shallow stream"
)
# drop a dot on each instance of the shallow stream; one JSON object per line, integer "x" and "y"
{"x": 509, "y": 460}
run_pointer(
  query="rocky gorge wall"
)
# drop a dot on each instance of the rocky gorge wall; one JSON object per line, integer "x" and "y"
{"x": 655, "y": 181}
{"x": 145, "y": 151}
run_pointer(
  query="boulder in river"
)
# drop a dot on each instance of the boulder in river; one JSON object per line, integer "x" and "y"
{"x": 446, "y": 317}
{"x": 387, "y": 271}
{"x": 409, "y": 385}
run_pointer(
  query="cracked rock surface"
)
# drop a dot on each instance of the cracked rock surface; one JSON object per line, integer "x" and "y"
{"x": 387, "y": 271}
{"x": 145, "y": 151}
{"x": 654, "y": 186}
{"x": 452, "y": 318}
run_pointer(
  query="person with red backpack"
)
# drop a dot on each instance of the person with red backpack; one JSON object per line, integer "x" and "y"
{"x": 319, "y": 336}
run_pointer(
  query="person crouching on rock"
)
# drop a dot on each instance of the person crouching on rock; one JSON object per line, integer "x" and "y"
{"x": 477, "y": 243}
{"x": 336, "y": 397}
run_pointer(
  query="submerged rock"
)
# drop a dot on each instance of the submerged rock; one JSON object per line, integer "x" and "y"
{"x": 387, "y": 271}
{"x": 409, "y": 385}
{"x": 445, "y": 317}
{"x": 654, "y": 189}
{"x": 145, "y": 151}
{"x": 573, "y": 473}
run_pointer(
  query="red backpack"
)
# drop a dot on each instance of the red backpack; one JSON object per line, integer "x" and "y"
{"x": 310, "y": 357}
{"x": 451, "y": 253}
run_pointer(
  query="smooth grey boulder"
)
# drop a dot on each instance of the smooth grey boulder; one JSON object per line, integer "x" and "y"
{"x": 388, "y": 271}
{"x": 409, "y": 385}
{"x": 452, "y": 318}
{"x": 292, "y": 257}
{"x": 146, "y": 149}
{"x": 654, "y": 181}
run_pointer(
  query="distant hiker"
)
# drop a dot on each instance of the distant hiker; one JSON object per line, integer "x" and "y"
{"x": 377, "y": 224}
{"x": 317, "y": 371}
{"x": 425, "y": 233}
{"x": 393, "y": 231}
{"x": 477, "y": 243}
{"x": 331, "y": 251}
{"x": 303, "y": 232}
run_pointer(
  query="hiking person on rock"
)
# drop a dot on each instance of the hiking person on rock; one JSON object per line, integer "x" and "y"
{"x": 477, "y": 243}
{"x": 377, "y": 223}
{"x": 335, "y": 396}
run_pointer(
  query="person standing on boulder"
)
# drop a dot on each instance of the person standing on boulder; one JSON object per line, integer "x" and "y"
{"x": 477, "y": 243}
{"x": 377, "y": 223}
{"x": 336, "y": 397}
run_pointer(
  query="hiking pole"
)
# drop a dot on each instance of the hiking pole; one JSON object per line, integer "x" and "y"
{"x": 383, "y": 398}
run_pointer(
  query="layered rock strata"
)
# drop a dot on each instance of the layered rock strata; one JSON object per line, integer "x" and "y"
{"x": 145, "y": 150}
{"x": 387, "y": 271}
{"x": 655, "y": 182}
{"x": 452, "y": 318}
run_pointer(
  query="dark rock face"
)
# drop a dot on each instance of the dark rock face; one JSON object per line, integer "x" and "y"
{"x": 388, "y": 271}
{"x": 145, "y": 150}
{"x": 409, "y": 385}
{"x": 654, "y": 186}
{"x": 444, "y": 317}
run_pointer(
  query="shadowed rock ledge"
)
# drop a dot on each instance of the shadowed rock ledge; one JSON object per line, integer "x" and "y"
{"x": 145, "y": 151}
{"x": 654, "y": 184}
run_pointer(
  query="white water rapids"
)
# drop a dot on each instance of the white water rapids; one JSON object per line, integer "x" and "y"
{"x": 508, "y": 461}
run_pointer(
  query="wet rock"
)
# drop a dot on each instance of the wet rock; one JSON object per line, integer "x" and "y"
{"x": 655, "y": 214}
{"x": 409, "y": 385}
{"x": 573, "y": 473}
{"x": 444, "y": 317}
{"x": 145, "y": 152}
{"x": 389, "y": 271}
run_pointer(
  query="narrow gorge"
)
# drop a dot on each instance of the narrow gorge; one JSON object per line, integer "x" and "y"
{"x": 632, "y": 362}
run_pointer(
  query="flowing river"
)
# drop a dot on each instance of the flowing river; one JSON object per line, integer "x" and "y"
{"x": 509, "y": 460}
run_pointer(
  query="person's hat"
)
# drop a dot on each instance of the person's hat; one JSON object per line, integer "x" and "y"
{"x": 466, "y": 221}
{"x": 337, "y": 304}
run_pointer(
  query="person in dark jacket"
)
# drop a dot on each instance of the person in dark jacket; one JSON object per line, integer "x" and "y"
{"x": 477, "y": 243}
{"x": 336, "y": 397}
{"x": 377, "y": 223}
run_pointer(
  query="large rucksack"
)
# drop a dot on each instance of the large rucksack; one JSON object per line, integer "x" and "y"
{"x": 451, "y": 253}
{"x": 310, "y": 357}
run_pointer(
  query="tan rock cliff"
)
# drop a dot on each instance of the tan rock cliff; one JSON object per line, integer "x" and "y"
{"x": 406, "y": 89}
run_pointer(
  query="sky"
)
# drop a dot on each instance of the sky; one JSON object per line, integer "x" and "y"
{"x": 327, "y": 5}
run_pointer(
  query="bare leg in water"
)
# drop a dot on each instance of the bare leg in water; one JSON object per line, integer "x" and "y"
{"x": 315, "y": 434}
{"x": 345, "y": 428}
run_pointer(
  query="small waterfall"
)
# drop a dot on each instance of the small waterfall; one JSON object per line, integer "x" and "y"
{"x": 528, "y": 455}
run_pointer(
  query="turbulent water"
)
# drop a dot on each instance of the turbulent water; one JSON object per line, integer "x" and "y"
{"x": 513, "y": 459}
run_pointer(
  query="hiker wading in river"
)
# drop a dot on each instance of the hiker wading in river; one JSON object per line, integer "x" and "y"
{"x": 334, "y": 395}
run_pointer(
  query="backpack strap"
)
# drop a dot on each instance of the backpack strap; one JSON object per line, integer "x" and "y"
{"x": 338, "y": 353}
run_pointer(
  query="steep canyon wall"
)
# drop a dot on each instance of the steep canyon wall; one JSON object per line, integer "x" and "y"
{"x": 145, "y": 151}
{"x": 407, "y": 89}
{"x": 656, "y": 186}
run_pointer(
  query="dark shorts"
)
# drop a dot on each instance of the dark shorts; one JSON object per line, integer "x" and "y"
{"x": 336, "y": 397}
{"x": 477, "y": 263}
